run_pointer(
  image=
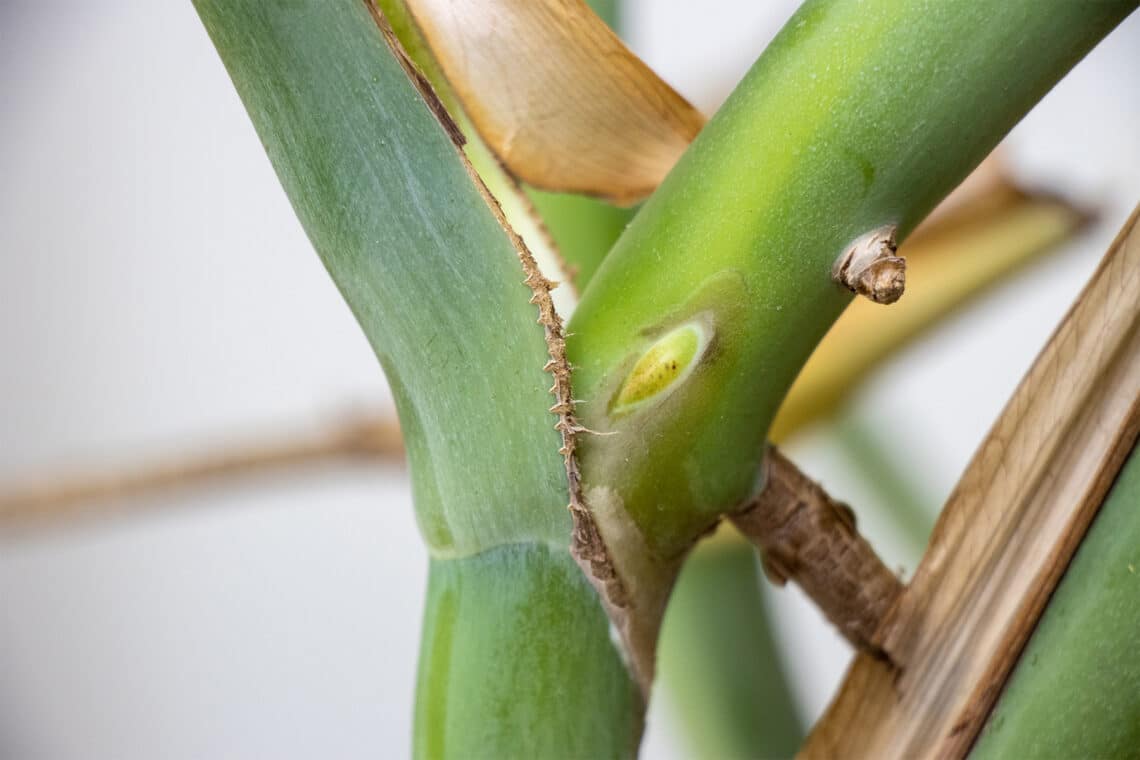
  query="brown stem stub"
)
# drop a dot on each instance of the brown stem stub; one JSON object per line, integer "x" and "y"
{"x": 870, "y": 268}
{"x": 808, "y": 537}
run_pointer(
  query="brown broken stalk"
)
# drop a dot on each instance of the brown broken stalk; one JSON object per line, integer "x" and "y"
{"x": 808, "y": 537}
{"x": 870, "y": 268}
{"x": 1005, "y": 536}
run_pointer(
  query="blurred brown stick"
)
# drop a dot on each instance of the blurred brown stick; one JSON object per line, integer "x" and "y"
{"x": 92, "y": 493}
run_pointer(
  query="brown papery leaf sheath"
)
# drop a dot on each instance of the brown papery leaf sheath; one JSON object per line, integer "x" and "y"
{"x": 554, "y": 93}
{"x": 1005, "y": 536}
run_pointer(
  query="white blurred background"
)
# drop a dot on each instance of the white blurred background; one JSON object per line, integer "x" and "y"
{"x": 157, "y": 296}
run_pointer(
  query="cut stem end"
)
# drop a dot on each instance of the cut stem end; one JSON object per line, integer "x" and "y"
{"x": 870, "y": 268}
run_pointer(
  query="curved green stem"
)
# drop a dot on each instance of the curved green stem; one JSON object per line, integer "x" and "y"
{"x": 861, "y": 115}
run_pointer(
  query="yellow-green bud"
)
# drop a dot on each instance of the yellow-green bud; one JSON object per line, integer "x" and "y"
{"x": 662, "y": 368}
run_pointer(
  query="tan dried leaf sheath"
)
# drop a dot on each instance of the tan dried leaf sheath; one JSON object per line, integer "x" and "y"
{"x": 562, "y": 102}
{"x": 870, "y": 268}
{"x": 806, "y": 536}
{"x": 587, "y": 545}
{"x": 1005, "y": 536}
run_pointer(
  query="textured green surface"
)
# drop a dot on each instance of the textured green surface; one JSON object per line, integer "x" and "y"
{"x": 720, "y": 663}
{"x": 497, "y": 674}
{"x": 427, "y": 270}
{"x": 1076, "y": 690}
{"x": 858, "y": 115}
{"x": 438, "y": 289}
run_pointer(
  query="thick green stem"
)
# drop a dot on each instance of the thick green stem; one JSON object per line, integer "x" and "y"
{"x": 860, "y": 115}
{"x": 438, "y": 287}
{"x": 1076, "y": 689}
{"x": 517, "y": 662}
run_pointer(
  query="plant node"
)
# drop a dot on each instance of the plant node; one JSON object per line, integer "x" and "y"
{"x": 870, "y": 268}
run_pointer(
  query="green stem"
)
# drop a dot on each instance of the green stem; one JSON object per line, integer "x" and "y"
{"x": 1076, "y": 689}
{"x": 517, "y": 662}
{"x": 720, "y": 661}
{"x": 438, "y": 287}
{"x": 718, "y": 658}
{"x": 861, "y": 114}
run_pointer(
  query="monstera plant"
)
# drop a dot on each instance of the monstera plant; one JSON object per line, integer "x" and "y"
{"x": 586, "y": 391}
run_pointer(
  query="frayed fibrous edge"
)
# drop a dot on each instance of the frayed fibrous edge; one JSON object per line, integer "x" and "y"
{"x": 421, "y": 83}
{"x": 586, "y": 544}
{"x": 516, "y": 204}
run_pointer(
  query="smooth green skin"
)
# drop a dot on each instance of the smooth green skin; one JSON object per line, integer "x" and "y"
{"x": 438, "y": 289}
{"x": 480, "y": 691}
{"x": 1076, "y": 689}
{"x": 859, "y": 114}
{"x": 720, "y": 662}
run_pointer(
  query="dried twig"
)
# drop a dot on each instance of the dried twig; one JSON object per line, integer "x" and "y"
{"x": 98, "y": 493}
{"x": 806, "y": 536}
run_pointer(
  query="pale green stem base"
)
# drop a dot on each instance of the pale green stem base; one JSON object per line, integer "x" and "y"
{"x": 517, "y": 661}
{"x": 584, "y": 228}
